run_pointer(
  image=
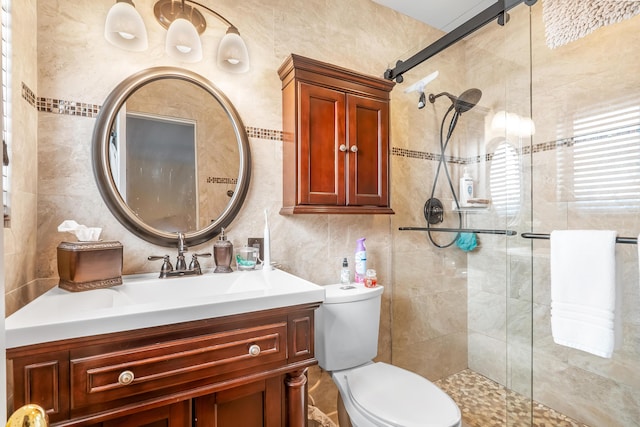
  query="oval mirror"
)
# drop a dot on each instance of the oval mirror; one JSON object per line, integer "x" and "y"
{"x": 170, "y": 154}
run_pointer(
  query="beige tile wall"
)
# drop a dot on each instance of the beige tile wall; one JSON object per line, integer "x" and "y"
{"x": 359, "y": 34}
{"x": 425, "y": 316}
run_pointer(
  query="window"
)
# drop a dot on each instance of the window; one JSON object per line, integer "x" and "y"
{"x": 6, "y": 108}
{"x": 504, "y": 180}
{"x": 606, "y": 158}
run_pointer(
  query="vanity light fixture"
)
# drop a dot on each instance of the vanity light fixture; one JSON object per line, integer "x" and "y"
{"x": 184, "y": 24}
{"x": 124, "y": 27}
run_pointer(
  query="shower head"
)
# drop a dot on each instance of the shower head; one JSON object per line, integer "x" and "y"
{"x": 463, "y": 103}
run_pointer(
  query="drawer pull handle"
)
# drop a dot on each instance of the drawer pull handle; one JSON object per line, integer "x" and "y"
{"x": 126, "y": 377}
{"x": 354, "y": 149}
{"x": 343, "y": 147}
{"x": 254, "y": 350}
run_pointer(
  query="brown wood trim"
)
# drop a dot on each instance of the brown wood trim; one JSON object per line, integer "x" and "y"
{"x": 204, "y": 326}
{"x": 320, "y": 209}
{"x": 300, "y": 65}
{"x": 183, "y": 395}
{"x": 296, "y": 396}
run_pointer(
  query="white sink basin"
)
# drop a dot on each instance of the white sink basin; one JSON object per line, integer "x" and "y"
{"x": 145, "y": 301}
{"x": 206, "y": 287}
{"x": 71, "y": 302}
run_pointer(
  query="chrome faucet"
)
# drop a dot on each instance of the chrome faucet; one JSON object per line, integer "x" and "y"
{"x": 181, "y": 265}
{"x": 181, "y": 269}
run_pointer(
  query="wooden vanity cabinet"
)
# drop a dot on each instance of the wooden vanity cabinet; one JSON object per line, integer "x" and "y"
{"x": 335, "y": 139}
{"x": 247, "y": 370}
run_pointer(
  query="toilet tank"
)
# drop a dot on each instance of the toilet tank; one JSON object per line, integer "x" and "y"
{"x": 346, "y": 326}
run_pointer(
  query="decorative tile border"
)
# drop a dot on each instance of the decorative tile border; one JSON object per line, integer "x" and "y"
{"x": 83, "y": 109}
{"x": 423, "y": 155}
{"x": 28, "y": 95}
{"x": 70, "y": 108}
{"x": 59, "y": 106}
{"x": 270, "y": 134}
{"x": 221, "y": 180}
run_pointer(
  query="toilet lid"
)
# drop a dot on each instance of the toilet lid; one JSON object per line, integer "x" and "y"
{"x": 400, "y": 398}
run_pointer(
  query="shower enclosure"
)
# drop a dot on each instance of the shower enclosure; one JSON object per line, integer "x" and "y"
{"x": 554, "y": 144}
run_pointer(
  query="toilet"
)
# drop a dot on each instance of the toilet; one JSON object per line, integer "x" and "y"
{"x": 372, "y": 393}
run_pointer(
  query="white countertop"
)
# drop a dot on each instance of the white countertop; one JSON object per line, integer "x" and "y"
{"x": 144, "y": 301}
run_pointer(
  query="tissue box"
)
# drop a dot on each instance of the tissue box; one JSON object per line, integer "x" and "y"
{"x": 83, "y": 266}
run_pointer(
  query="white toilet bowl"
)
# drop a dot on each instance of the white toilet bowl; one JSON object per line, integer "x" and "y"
{"x": 383, "y": 395}
{"x": 373, "y": 394}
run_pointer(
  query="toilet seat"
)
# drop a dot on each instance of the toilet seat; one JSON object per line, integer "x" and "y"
{"x": 390, "y": 396}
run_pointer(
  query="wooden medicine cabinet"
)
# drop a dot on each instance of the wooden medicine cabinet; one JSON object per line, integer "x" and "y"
{"x": 335, "y": 139}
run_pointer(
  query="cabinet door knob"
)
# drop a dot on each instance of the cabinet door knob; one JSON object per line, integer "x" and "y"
{"x": 354, "y": 149}
{"x": 254, "y": 350}
{"x": 343, "y": 147}
{"x": 126, "y": 377}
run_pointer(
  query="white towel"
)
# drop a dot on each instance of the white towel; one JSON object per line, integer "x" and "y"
{"x": 583, "y": 290}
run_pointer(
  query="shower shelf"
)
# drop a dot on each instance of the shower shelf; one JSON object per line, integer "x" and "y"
{"x": 460, "y": 230}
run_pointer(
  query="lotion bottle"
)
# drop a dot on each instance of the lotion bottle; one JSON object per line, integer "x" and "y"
{"x": 361, "y": 260}
{"x": 466, "y": 188}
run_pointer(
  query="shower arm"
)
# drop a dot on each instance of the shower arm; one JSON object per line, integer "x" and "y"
{"x": 496, "y": 11}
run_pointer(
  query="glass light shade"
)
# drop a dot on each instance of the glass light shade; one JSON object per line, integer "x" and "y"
{"x": 513, "y": 124}
{"x": 527, "y": 127}
{"x": 183, "y": 41}
{"x": 125, "y": 29}
{"x": 232, "y": 53}
{"x": 499, "y": 121}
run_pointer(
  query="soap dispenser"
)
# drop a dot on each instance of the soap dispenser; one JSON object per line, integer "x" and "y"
{"x": 222, "y": 254}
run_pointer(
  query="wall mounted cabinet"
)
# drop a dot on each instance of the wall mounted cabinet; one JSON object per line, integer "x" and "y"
{"x": 335, "y": 139}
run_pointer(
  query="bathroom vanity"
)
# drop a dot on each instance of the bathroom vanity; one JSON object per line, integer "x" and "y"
{"x": 213, "y": 350}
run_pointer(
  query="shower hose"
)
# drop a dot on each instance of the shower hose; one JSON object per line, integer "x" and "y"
{"x": 444, "y": 142}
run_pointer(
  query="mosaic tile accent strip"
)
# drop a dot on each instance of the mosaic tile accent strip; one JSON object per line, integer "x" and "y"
{"x": 28, "y": 95}
{"x": 83, "y": 109}
{"x": 270, "y": 134}
{"x": 71, "y": 108}
{"x": 485, "y": 403}
{"x": 422, "y": 155}
{"x": 221, "y": 180}
{"x": 59, "y": 106}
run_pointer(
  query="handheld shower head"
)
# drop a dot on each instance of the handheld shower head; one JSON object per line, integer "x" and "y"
{"x": 467, "y": 100}
{"x": 463, "y": 103}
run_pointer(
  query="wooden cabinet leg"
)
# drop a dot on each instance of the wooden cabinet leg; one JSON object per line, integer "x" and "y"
{"x": 296, "y": 390}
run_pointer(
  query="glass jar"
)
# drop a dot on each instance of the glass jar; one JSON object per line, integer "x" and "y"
{"x": 370, "y": 279}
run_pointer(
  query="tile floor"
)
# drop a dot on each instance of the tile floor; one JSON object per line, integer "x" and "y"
{"x": 484, "y": 403}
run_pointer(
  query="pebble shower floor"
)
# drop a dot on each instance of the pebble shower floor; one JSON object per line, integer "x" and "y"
{"x": 482, "y": 403}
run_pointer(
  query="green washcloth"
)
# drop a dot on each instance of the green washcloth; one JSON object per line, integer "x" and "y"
{"x": 467, "y": 241}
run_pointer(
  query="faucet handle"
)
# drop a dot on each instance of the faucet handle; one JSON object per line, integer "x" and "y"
{"x": 166, "y": 265}
{"x": 194, "y": 264}
{"x": 202, "y": 255}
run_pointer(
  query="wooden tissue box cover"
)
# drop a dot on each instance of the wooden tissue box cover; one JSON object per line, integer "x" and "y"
{"x": 83, "y": 266}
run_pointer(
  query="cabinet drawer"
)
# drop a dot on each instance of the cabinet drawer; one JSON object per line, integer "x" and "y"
{"x": 116, "y": 375}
